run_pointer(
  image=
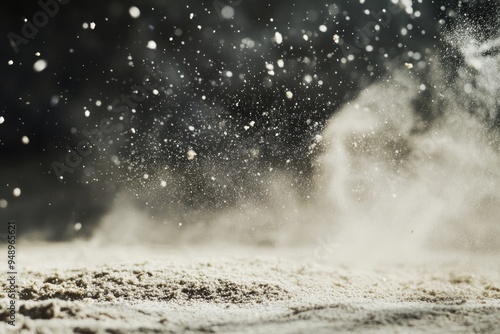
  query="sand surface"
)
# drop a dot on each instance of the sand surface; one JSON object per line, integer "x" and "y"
{"x": 84, "y": 287}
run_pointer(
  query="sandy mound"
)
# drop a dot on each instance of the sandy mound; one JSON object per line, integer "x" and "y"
{"x": 156, "y": 290}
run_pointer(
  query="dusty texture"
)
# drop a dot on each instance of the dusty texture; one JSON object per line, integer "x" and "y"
{"x": 157, "y": 289}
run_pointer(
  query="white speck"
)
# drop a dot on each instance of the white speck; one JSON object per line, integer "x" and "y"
{"x": 289, "y": 94}
{"x": 25, "y": 140}
{"x": 191, "y": 16}
{"x": 322, "y": 28}
{"x": 115, "y": 160}
{"x": 191, "y": 154}
{"x": 98, "y": 103}
{"x": 132, "y": 130}
{"x": 54, "y": 100}
{"x": 78, "y": 226}
{"x": 227, "y": 12}
{"x": 409, "y": 65}
{"x": 16, "y": 192}
{"x": 191, "y": 128}
{"x": 87, "y": 113}
{"x": 92, "y": 25}
{"x": 145, "y": 176}
{"x": 305, "y": 37}
{"x": 151, "y": 45}
{"x": 278, "y": 38}
{"x": 3, "y": 204}
{"x": 37, "y": 54}
{"x": 155, "y": 91}
{"x": 134, "y": 12}
{"x": 252, "y": 123}
{"x": 318, "y": 138}
{"x": 11, "y": 62}
{"x": 281, "y": 63}
{"x": 39, "y": 65}
{"x": 229, "y": 74}
{"x": 422, "y": 87}
{"x": 163, "y": 184}
{"x": 203, "y": 97}
{"x": 336, "y": 38}
{"x": 85, "y": 25}
{"x": 2, "y": 119}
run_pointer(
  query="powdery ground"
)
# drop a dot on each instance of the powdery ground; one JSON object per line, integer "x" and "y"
{"x": 86, "y": 288}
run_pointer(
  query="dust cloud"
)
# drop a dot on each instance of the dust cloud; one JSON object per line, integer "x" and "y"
{"x": 410, "y": 166}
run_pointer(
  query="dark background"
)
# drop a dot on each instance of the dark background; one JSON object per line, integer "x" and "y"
{"x": 233, "y": 164}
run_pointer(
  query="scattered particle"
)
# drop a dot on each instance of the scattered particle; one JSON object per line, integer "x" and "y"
{"x": 409, "y": 65}
{"x": 322, "y": 28}
{"x": 92, "y": 25}
{"x": 39, "y": 65}
{"x": 2, "y": 119}
{"x": 54, "y": 100}
{"x": 155, "y": 92}
{"x": 3, "y": 204}
{"x": 191, "y": 154}
{"x": 16, "y": 192}
{"x": 289, "y": 94}
{"x": 134, "y": 12}
{"x": 87, "y": 113}
{"x": 163, "y": 183}
{"x": 191, "y": 128}
{"x": 98, "y": 103}
{"x": 336, "y": 38}
{"x": 227, "y": 12}
{"x": 115, "y": 160}
{"x": 278, "y": 38}
{"x": 85, "y": 25}
{"x": 145, "y": 176}
{"x": 229, "y": 74}
{"x": 25, "y": 140}
{"x": 78, "y": 226}
{"x": 151, "y": 45}
{"x": 132, "y": 130}
{"x": 11, "y": 62}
